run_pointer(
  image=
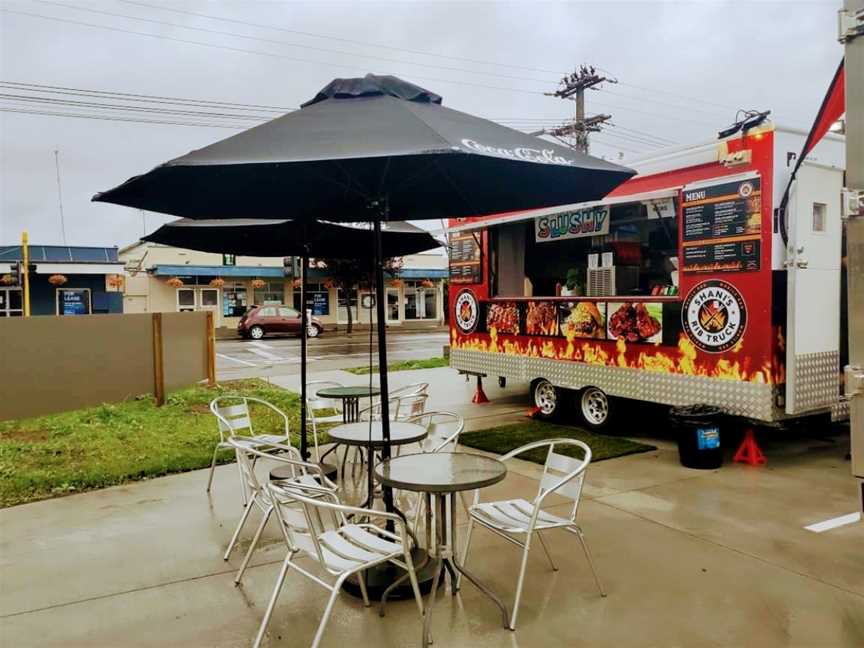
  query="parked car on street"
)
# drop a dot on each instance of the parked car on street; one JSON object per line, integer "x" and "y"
{"x": 267, "y": 320}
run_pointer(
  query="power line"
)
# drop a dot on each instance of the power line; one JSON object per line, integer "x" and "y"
{"x": 167, "y": 111}
{"x": 286, "y": 43}
{"x": 129, "y": 96}
{"x": 246, "y": 51}
{"x": 339, "y": 39}
{"x": 25, "y": 111}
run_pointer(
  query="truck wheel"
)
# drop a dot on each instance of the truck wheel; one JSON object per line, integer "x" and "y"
{"x": 594, "y": 407}
{"x": 547, "y": 398}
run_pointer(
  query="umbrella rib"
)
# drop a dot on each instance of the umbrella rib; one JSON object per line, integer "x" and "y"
{"x": 351, "y": 181}
{"x": 456, "y": 187}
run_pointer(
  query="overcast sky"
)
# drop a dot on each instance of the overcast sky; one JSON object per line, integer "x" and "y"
{"x": 684, "y": 68}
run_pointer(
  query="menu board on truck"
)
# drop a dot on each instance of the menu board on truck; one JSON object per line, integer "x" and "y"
{"x": 465, "y": 266}
{"x": 722, "y": 226}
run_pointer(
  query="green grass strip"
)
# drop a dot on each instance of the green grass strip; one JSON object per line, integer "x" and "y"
{"x": 116, "y": 443}
{"x": 405, "y": 365}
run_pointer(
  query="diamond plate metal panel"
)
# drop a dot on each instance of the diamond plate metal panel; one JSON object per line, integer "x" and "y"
{"x": 816, "y": 382}
{"x": 751, "y": 400}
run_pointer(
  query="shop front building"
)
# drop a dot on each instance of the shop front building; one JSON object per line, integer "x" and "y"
{"x": 63, "y": 280}
{"x": 160, "y": 278}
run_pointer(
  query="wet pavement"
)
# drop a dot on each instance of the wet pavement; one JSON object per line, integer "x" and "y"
{"x": 689, "y": 558}
{"x": 274, "y": 356}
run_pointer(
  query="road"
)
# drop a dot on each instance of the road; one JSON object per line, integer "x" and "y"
{"x": 279, "y": 356}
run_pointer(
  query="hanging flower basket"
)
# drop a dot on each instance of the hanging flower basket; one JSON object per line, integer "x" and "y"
{"x": 7, "y": 280}
{"x": 218, "y": 282}
{"x": 396, "y": 283}
{"x": 175, "y": 282}
{"x": 427, "y": 283}
{"x": 295, "y": 283}
{"x": 115, "y": 281}
{"x": 257, "y": 284}
{"x": 57, "y": 280}
{"x": 329, "y": 284}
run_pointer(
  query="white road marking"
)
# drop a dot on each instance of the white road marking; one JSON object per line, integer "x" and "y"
{"x": 227, "y": 357}
{"x": 266, "y": 354}
{"x": 833, "y": 523}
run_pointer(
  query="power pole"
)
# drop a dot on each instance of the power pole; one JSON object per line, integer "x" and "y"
{"x": 573, "y": 87}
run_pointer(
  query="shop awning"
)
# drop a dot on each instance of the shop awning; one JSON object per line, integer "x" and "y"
{"x": 217, "y": 271}
{"x": 531, "y": 214}
{"x": 79, "y": 268}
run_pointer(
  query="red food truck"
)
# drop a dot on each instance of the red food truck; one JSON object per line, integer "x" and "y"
{"x": 684, "y": 285}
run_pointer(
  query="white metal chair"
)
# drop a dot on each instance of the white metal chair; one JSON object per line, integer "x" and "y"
{"x": 338, "y": 546}
{"x": 443, "y": 430}
{"x": 316, "y": 404}
{"x": 410, "y": 390}
{"x": 234, "y": 421}
{"x": 260, "y": 497}
{"x": 517, "y": 520}
{"x": 410, "y": 405}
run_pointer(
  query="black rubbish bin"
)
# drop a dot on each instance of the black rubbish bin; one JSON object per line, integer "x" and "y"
{"x": 698, "y": 431}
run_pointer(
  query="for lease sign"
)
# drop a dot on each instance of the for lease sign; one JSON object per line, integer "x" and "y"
{"x": 590, "y": 221}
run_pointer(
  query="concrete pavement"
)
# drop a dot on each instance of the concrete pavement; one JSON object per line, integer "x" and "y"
{"x": 275, "y": 356}
{"x": 689, "y": 558}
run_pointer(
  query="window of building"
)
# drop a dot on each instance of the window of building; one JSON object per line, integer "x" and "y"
{"x": 273, "y": 292}
{"x": 421, "y": 302}
{"x": 343, "y": 305}
{"x": 234, "y": 299}
{"x": 10, "y": 302}
{"x": 229, "y": 260}
{"x": 185, "y": 299}
{"x": 317, "y": 299}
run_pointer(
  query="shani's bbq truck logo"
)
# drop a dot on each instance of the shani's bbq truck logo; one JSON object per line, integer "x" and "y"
{"x": 467, "y": 311}
{"x": 714, "y": 316}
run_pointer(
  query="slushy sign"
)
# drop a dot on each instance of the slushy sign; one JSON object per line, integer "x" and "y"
{"x": 591, "y": 221}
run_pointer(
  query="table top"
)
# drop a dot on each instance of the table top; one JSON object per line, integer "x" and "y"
{"x": 440, "y": 472}
{"x": 358, "y": 433}
{"x": 348, "y": 392}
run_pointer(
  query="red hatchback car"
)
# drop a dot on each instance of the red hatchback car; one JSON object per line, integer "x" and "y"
{"x": 265, "y": 320}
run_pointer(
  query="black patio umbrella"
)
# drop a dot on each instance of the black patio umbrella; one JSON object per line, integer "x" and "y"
{"x": 287, "y": 237}
{"x": 375, "y": 146}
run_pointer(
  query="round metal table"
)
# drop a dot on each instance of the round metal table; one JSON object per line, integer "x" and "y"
{"x": 368, "y": 433}
{"x": 350, "y": 397}
{"x": 441, "y": 475}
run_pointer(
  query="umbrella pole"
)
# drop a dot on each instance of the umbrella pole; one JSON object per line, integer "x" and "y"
{"x": 304, "y": 324}
{"x": 382, "y": 350}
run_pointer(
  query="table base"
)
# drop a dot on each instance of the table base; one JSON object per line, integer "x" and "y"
{"x": 379, "y": 578}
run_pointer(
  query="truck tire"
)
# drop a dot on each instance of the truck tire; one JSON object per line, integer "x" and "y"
{"x": 548, "y": 399}
{"x": 595, "y": 408}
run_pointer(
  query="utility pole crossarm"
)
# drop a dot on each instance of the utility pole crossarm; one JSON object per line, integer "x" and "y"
{"x": 573, "y": 87}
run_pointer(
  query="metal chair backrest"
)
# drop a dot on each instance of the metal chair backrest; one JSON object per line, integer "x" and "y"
{"x": 315, "y": 402}
{"x": 562, "y": 474}
{"x": 443, "y": 430}
{"x": 262, "y": 495}
{"x": 410, "y": 406}
{"x": 234, "y": 418}
{"x": 410, "y": 390}
{"x": 322, "y": 511}
{"x": 373, "y": 412}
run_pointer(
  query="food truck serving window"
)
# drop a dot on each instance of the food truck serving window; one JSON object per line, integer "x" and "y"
{"x": 628, "y": 249}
